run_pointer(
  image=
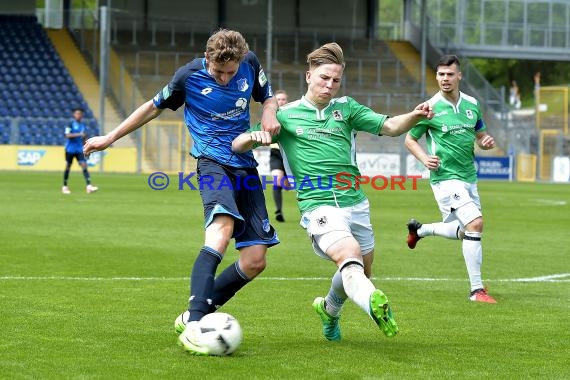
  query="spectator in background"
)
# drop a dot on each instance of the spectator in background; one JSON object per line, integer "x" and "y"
{"x": 450, "y": 139}
{"x": 215, "y": 91}
{"x": 536, "y": 87}
{"x": 75, "y": 134}
{"x": 277, "y": 167}
{"x": 515, "y": 95}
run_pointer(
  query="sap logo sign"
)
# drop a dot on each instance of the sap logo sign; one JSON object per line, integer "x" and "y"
{"x": 29, "y": 157}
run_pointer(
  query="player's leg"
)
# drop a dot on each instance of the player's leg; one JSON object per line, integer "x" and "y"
{"x": 471, "y": 217}
{"x": 277, "y": 172}
{"x": 68, "y": 161}
{"x": 222, "y": 218}
{"x": 358, "y": 287}
{"x": 330, "y": 231}
{"x": 252, "y": 243}
{"x": 380, "y": 309}
{"x": 444, "y": 193}
{"x": 89, "y": 188}
{"x": 278, "y": 194}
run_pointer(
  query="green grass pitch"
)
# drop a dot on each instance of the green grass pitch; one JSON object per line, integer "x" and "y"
{"x": 90, "y": 285}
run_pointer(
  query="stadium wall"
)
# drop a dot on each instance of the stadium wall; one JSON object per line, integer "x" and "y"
{"x": 20, "y": 7}
{"x": 251, "y": 15}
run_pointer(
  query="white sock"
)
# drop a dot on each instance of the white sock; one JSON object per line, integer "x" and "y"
{"x": 473, "y": 255}
{"x": 336, "y": 297}
{"x": 357, "y": 286}
{"x": 446, "y": 230}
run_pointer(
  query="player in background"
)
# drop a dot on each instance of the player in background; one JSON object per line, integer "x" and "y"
{"x": 450, "y": 138}
{"x": 318, "y": 141}
{"x": 277, "y": 167}
{"x": 75, "y": 134}
{"x": 215, "y": 92}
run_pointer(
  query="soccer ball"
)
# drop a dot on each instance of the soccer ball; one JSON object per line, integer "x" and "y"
{"x": 220, "y": 333}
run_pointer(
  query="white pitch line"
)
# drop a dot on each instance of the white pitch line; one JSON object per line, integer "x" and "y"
{"x": 563, "y": 277}
{"x": 550, "y": 278}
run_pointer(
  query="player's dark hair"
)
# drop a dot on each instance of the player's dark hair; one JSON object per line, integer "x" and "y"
{"x": 326, "y": 54}
{"x": 448, "y": 60}
{"x": 226, "y": 45}
{"x": 78, "y": 109}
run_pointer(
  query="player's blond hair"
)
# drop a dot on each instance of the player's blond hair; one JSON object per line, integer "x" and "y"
{"x": 328, "y": 53}
{"x": 226, "y": 45}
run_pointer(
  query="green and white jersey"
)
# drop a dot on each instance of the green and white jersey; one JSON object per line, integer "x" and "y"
{"x": 319, "y": 146}
{"x": 450, "y": 135}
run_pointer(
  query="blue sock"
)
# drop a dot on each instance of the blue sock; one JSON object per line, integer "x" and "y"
{"x": 202, "y": 282}
{"x": 227, "y": 285}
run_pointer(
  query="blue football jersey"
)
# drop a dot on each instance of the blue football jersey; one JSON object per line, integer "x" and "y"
{"x": 215, "y": 115}
{"x": 74, "y": 144}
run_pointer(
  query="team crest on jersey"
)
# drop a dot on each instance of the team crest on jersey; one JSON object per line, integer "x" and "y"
{"x": 337, "y": 115}
{"x": 469, "y": 114}
{"x": 261, "y": 78}
{"x": 322, "y": 221}
{"x": 242, "y": 84}
{"x": 266, "y": 225}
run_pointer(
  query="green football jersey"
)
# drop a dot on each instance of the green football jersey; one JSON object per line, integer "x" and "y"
{"x": 450, "y": 135}
{"x": 319, "y": 149}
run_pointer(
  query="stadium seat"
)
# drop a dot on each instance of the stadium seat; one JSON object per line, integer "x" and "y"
{"x": 34, "y": 83}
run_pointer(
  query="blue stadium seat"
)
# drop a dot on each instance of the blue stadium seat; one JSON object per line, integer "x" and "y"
{"x": 35, "y": 85}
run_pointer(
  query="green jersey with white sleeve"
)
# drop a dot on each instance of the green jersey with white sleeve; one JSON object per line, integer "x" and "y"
{"x": 451, "y": 135}
{"x": 319, "y": 149}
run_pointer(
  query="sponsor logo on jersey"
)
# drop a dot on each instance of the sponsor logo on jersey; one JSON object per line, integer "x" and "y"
{"x": 242, "y": 84}
{"x": 299, "y": 131}
{"x": 241, "y": 103}
{"x": 440, "y": 113}
{"x": 297, "y": 116}
{"x": 206, "y": 91}
{"x": 30, "y": 157}
{"x": 261, "y": 78}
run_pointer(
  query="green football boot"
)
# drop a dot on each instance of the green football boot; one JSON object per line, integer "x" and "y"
{"x": 381, "y": 313}
{"x": 331, "y": 328}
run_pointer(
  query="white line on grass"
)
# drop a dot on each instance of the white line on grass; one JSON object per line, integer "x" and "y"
{"x": 563, "y": 277}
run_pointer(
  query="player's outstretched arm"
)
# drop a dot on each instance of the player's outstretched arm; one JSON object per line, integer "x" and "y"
{"x": 137, "y": 119}
{"x": 248, "y": 140}
{"x": 400, "y": 124}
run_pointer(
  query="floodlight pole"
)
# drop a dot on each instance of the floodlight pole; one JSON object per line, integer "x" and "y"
{"x": 269, "y": 37}
{"x": 423, "y": 53}
{"x": 105, "y": 40}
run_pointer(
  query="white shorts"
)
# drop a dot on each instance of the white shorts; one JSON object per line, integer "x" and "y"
{"x": 457, "y": 200}
{"x": 326, "y": 225}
